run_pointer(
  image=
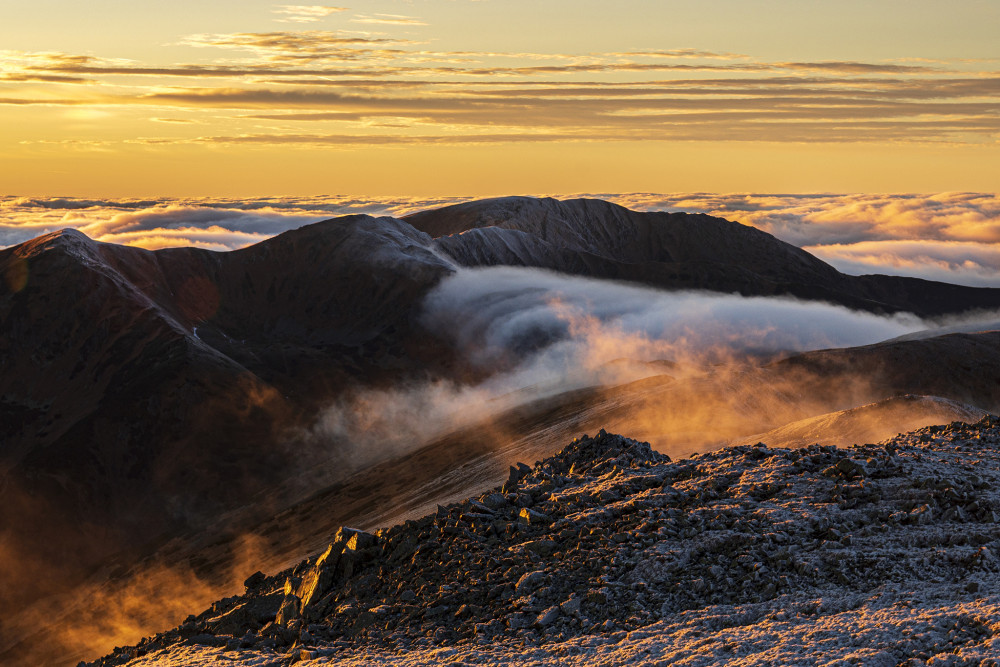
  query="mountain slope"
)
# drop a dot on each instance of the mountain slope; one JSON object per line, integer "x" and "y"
{"x": 671, "y": 250}
{"x": 146, "y": 393}
{"x": 677, "y": 415}
{"x": 867, "y": 423}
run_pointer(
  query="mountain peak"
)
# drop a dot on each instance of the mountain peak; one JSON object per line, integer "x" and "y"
{"x": 67, "y": 239}
{"x": 498, "y": 211}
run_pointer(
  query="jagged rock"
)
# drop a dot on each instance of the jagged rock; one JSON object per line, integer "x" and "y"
{"x": 354, "y": 539}
{"x": 740, "y": 534}
{"x": 254, "y": 581}
{"x": 291, "y": 608}
{"x": 252, "y": 614}
{"x": 516, "y": 475}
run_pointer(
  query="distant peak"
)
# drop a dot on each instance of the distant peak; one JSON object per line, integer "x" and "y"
{"x": 69, "y": 240}
{"x": 500, "y": 211}
{"x": 67, "y": 235}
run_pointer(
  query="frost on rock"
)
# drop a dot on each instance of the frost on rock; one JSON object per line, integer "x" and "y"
{"x": 610, "y": 553}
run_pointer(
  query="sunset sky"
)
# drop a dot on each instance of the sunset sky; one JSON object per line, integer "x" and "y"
{"x": 475, "y": 98}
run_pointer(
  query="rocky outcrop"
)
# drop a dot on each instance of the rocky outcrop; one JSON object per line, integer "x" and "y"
{"x": 609, "y": 537}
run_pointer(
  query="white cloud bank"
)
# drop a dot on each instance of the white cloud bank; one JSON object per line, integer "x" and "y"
{"x": 534, "y": 334}
{"x": 500, "y": 313}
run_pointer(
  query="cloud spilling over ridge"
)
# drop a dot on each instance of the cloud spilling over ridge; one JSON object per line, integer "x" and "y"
{"x": 949, "y": 236}
{"x": 500, "y": 312}
{"x": 534, "y": 333}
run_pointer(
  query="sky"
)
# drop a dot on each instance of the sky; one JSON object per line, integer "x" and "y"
{"x": 464, "y": 98}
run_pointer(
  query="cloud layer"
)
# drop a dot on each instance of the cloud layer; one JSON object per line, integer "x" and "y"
{"x": 213, "y": 224}
{"x": 952, "y": 237}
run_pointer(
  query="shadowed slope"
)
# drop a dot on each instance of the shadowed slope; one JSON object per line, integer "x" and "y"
{"x": 142, "y": 391}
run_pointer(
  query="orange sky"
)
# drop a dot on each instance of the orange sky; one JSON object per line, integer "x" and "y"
{"x": 457, "y": 97}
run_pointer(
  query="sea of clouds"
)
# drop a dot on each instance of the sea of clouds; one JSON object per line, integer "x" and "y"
{"x": 953, "y": 237}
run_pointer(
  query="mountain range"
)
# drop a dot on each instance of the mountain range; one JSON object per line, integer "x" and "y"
{"x": 144, "y": 394}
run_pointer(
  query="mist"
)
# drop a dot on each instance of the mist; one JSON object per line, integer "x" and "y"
{"x": 533, "y": 334}
{"x": 500, "y": 313}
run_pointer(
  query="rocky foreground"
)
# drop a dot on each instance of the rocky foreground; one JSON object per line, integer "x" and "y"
{"x": 610, "y": 553}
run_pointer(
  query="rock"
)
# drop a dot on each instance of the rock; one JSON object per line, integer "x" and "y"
{"x": 516, "y": 475}
{"x": 547, "y": 617}
{"x": 291, "y": 608}
{"x": 846, "y": 468}
{"x": 597, "y": 596}
{"x": 540, "y": 547}
{"x": 518, "y": 621}
{"x": 252, "y": 614}
{"x": 254, "y": 581}
{"x": 317, "y": 581}
{"x": 292, "y": 584}
{"x": 354, "y": 539}
{"x": 529, "y": 582}
{"x": 571, "y": 606}
{"x": 533, "y": 518}
{"x": 494, "y": 501}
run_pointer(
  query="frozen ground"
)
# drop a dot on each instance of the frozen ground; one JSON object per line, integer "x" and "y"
{"x": 607, "y": 553}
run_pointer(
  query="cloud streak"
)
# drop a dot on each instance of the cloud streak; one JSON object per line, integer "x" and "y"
{"x": 387, "y": 19}
{"x": 357, "y": 79}
{"x": 318, "y": 70}
{"x": 305, "y": 13}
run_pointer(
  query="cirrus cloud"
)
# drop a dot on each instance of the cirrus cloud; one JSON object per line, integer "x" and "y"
{"x": 305, "y": 13}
